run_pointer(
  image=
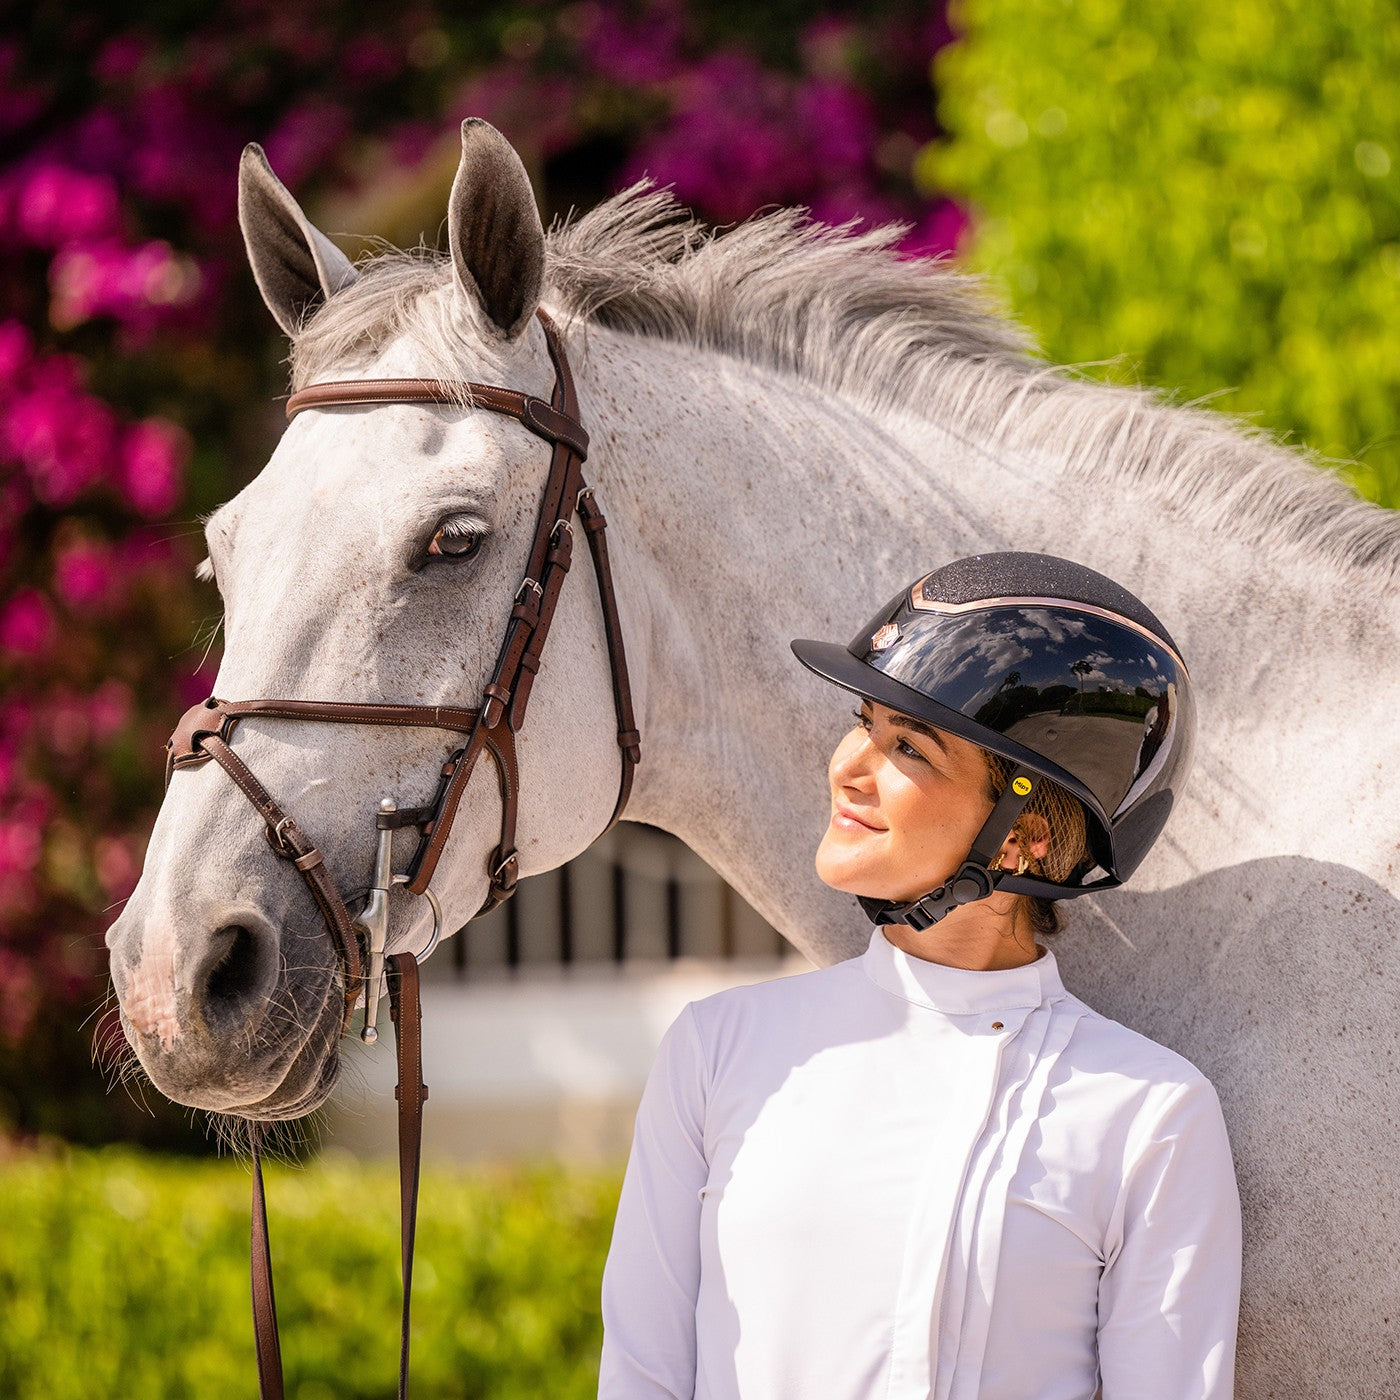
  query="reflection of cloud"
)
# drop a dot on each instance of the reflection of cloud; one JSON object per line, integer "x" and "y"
{"x": 1055, "y": 627}
{"x": 993, "y": 653}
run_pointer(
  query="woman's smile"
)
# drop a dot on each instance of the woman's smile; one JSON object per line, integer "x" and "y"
{"x": 846, "y": 818}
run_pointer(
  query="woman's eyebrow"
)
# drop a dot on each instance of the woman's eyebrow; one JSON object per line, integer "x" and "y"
{"x": 919, "y": 727}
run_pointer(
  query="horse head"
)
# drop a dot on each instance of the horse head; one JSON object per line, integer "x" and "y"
{"x": 376, "y": 559}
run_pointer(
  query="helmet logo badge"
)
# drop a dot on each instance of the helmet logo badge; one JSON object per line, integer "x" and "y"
{"x": 1021, "y": 786}
{"x": 885, "y": 637}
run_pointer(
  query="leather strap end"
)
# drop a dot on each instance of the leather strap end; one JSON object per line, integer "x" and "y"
{"x": 553, "y": 425}
{"x": 561, "y": 549}
{"x": 498, "y": 697}
{"x": 527, "y": 612}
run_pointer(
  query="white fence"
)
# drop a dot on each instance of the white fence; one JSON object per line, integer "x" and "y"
{"x": 636, "y": 896}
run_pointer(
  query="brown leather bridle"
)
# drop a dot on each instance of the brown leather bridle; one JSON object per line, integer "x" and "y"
{"x": 205, "y": 730}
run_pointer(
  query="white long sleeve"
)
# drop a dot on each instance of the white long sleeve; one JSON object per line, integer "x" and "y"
{"x": 649, "y": 1350}
{"x": 1169, "y": 1295}
{"x": 892, "y": 1180}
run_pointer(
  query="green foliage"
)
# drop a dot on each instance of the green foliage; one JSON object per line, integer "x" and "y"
{"x": 1211, "y": 189}
{"x": 128, "y": 1275}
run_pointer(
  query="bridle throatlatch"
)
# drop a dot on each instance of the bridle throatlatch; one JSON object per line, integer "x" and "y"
{"x": 205, "y": 731}
{"x": 977, "y": 876}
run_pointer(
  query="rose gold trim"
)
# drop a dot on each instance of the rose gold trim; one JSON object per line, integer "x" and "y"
{"x": 921, "y": 604}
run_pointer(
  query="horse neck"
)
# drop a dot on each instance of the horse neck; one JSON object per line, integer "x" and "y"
{"x": 747, "y": 509}
{"x": 751, "y": 509}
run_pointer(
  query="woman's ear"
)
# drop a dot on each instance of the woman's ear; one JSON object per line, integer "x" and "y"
{"x": 1033, "y": 835}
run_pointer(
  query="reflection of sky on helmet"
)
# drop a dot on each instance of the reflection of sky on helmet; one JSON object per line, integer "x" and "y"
{"x": 1004, "y": 664}
{"x": 1038, "y": 673}
{"x": 965, "y": 660}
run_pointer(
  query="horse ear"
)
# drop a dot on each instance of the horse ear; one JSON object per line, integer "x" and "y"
{"x": 494, "y": 230}
{"x": 294, "y": 264}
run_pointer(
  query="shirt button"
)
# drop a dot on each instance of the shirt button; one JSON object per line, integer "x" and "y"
{"x": 996, "y": 1025}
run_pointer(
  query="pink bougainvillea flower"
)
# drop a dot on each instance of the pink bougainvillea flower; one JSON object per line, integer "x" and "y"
{"x": 16, "y": 351}
{"x": 26, "y": 623}
{"x": 135, "y": 285}
{"x": 741, "y": 137}
{"x": 55, "y": 206}
{"x": 939, "y": 232}
{"x": 306, "y": 137}
{"x": 628, "y": 51}
{"x": 61, "y": 434}
{"x": 838, "y": 122}
{"x": 109, "y": 709}
{"x": 152, "y": 463}
{"x": 84, "y": 575}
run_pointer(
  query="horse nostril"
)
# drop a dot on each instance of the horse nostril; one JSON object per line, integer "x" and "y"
{"x": 233, "y": 981}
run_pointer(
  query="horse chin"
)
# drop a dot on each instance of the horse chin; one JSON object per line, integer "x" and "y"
{"x": 305, "y": 1088}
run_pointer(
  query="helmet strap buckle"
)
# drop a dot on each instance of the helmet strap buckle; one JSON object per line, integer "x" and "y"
{"x": 977, "y": 877}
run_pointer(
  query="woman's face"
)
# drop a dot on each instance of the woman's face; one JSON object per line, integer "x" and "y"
{"x": 907, "y": 802}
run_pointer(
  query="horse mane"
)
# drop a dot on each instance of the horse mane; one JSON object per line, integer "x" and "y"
{"x": 840, "y": 309}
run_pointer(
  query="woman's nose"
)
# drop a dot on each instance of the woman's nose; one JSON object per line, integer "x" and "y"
{"x": 851, "y": 763}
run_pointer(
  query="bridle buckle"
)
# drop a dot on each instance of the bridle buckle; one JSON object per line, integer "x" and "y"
{"x": 277, "y": 839}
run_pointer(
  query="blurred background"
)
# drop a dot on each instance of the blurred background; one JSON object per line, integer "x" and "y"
{"x": 1197, "y": 196}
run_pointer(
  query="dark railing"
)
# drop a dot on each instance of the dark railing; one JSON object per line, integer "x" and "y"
{"x": 637, "y": 895}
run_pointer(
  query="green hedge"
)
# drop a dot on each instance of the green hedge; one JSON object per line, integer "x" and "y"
{"x": 1209, "y": 188}
{"x": 125, "y": 1275}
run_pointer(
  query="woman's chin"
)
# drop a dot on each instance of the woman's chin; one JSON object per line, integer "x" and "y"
{"x": 842, "y": 870}
{"x": 852, "y": 872}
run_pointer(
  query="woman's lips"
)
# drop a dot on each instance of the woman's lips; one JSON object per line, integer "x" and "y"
{"x": 849, "y": 820}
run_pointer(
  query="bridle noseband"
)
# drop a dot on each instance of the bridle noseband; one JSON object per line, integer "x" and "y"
{"x": 205, "y": 730}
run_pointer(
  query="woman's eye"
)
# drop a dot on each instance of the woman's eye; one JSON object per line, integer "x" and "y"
{"x": 908, "y": 750}
{"x": 454, "y": 541}
{"x": 862, "y": 719}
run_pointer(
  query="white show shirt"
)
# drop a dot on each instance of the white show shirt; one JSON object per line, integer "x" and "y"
{"x": 895, "y": 1179}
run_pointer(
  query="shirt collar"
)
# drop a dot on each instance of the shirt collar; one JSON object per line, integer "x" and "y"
{"x": 955, "y": 991}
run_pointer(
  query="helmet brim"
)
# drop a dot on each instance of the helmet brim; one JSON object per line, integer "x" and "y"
{"x": 837, "y": 664}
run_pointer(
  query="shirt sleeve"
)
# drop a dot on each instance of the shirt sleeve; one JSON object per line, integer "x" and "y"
{"x": 1169, "y": 1293}
{"x": 652, "y": 1276}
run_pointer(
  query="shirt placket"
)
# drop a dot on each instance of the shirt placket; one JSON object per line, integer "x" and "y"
{"x": 972, "y": 1049}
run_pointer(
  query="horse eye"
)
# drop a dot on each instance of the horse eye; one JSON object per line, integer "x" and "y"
{"x": 453, "y": 541}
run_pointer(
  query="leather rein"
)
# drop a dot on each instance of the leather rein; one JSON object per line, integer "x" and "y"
{"x": 205, "y": 730}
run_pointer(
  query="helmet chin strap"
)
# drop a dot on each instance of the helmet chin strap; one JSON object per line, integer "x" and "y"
{"x": 974, "y": 879}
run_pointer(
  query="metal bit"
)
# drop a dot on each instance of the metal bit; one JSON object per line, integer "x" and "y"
{"x": 374, "y": 919}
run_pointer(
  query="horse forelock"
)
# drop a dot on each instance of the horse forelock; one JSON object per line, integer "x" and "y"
{"x": 839, "y": 308}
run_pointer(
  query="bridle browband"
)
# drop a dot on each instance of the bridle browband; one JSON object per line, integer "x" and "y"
{"x": 205, "y": 730}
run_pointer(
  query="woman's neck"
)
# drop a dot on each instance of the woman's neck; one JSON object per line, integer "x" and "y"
{"x": 974, "y": 938}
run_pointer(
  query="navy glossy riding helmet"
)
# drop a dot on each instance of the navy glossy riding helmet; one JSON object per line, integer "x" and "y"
{"x": 1060, "y": 671}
